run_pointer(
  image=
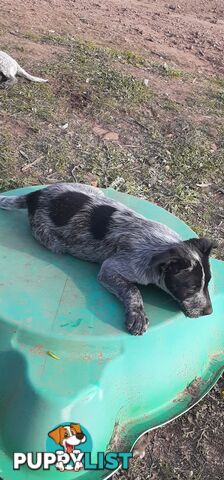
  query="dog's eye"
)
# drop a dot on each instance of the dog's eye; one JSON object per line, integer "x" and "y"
{"x": 66, "y": 435}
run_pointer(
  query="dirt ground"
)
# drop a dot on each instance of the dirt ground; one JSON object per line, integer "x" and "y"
{"x": 135, "y": 100}
{"x": 189, "y": 33}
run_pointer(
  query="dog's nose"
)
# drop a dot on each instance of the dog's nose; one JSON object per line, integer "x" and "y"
{"x": 80, "y": 435}
{"x": 207, "y": 310}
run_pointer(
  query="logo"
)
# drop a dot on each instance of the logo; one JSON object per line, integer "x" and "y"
{"x": 69, "y": 447}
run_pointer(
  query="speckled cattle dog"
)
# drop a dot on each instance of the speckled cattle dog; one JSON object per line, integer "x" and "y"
{"x": 79, "y": 220}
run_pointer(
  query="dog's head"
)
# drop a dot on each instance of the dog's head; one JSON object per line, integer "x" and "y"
{"x": 68, "y": 436}
{"x": 184, "y": 272}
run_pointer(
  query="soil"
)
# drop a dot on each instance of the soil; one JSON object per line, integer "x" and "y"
{"x": 189, "y": 33}
{"x": 188, "y": 448}
{"x": 184, "y": 41}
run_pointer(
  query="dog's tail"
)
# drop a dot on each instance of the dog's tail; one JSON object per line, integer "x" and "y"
{"x": 13, "y": 201}
{"x": 22, "y": 73}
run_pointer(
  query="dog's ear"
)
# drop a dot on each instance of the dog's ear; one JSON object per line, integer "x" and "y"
{"x": 172, "y": 259}
{"x": 76, "y": 427}
{"x": 177, "y": 265}
{"x": 204, "y": 245}
{"x": 56, "y": 434}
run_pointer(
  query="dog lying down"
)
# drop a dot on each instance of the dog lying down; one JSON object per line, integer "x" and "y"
{"x": 79, "y": 220}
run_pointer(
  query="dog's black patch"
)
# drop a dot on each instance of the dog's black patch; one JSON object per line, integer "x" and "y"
{"x": 79, "y": 435}
{"x": 32, "y": 201}
{"x": 186, "y": 283}
{"x": 100, "y": 219}
{"x": 65, "y": 206}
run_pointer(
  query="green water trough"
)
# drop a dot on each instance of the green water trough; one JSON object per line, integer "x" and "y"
{"x": 65, "y": 356}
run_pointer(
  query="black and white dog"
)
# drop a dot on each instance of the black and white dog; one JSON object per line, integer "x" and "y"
{"x": 79, "y": 220}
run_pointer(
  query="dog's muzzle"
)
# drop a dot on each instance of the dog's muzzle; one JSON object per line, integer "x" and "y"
{"x": 195, "y": 312}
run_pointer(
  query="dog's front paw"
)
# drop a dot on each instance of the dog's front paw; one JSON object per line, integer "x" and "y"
{"x": 78, "y": 466}
{"x": 60, "y": 466}
{"x": 136, "y": 321}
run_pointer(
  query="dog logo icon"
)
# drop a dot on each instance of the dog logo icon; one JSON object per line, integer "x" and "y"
{"x": 69, "y": 437}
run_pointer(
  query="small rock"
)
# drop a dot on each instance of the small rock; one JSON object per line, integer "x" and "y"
{"x": 24, "y": 155}
{"x": 146, "y": 82}
{"x": 213, "y": 147}
{"x": 83, "y": 20}
{"x": 203, "y": 185}
{"x": 99, "y": 130}
{"x": 117, "y": 183}
{"x": 139, "y": 30}
{"x": 64, "y": 126}
{"x": 94, "y": 183}
{"x": 91, "y": 179}
{"x": 191, "y": 419}
{"x": 111, "y": 136}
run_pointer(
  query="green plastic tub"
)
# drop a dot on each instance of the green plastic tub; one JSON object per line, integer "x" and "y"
{"x": 65, "y": 356}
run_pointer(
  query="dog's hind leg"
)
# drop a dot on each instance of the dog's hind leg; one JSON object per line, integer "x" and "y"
{"x": 8, "y": 83}
{"x": 46, "y": 238}
{"x": 128, "y": 293}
